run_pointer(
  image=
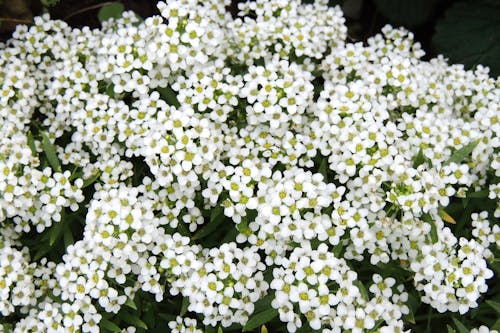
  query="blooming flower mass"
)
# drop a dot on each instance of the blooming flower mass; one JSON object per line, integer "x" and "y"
{"x": 241, "y": 165}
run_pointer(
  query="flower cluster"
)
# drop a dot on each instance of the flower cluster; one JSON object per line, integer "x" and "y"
{"x": 225, "y": 160}
{"x": 324, "y": 289}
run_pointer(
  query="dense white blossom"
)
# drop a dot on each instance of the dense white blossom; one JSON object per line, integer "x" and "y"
{"x": 162, "y": 125}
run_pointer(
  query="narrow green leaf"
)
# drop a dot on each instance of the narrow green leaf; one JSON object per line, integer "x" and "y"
{"x": 31, "y": 143}
{"x": 323, "y": 168}
{"x": 362, "y": 290}
{"x": 132, "y": 319}
{"x": 264, "y": 303}
{"x": 230, "y": 236}
{"x": 167, "y": 316}
{"x": 460, "y": 155}
{"x": 494, "y": 305}
{"x": 110, "y": 326}
{"x": 169, "y": 96}
{"x": 184, "y": 306}
{"x": 149, "y": 317}
{"x": 89, "y": 181}
{"x": 410, "y": 317}
{"x": 216, "y": 218}
{"x": 219, "y": 330}
{"x": 130, "y": 303}
{"x": 242, "y": 226}
{"x": 419, "y": 159}
{"x": 7, "y": 328}
{"x": 181, "y": 228}
{"x": 479, "y": 194}
{"x": 263, "y": 329}
{"x": 259, "y": 319}
{"x": 68, "y": 237}
{"x": 434, "y": 235}
{"x": 112, "y": 10}
{"x": 450, "y": 329}
{"x": 42, "y": 251}
{"x": 210, "y": 329}
{"x": 110, "y": 90}
{"x": 337, "y": 249}
{"x": 76, "y": 173}
{"x": 446, "y": 217}
{"x": 496, "y": 325}
{"x": 460, "y": 327}
{"x": 50, "y": 152}
{"x": 55, "y": 232}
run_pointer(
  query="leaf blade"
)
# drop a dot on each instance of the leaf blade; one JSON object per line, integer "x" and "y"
{"x": 461, "y": 154}
{"x": 260, "y": 319}
{"x": 50, "y": 152}
{"x": 111, "y": 10}
{"x": 460, "y": 327}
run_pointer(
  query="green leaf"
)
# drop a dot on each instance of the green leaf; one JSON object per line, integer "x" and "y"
{"x": 209, "y": 329}
{"x": 77, "y": 173}
{"x": 110, "y": 326}
{"x": 460, "y": 155}
{"x": 169, "y": 96}
{"x": 446, "y": 217}
{"x": 450, "y": 329}
{"x": 42, "y": 251}
{"x": 494, "y": 305}
{"x": 468, "y": 34}
{"x": 496, "y": 325}
{"x": 68, "y": 237}
{"x": 216, "y": 218}
{"x": 50, "y": 152}
{"x": 264, "y": 303}
{"x": 167, "y": 316}
{"x": 407, "y": 13}
{"x": 259, "y": 319}
{"x": 110, "y": 90}
{"x": 242, "y": 226}
{"x": 112, "y": 10}
{"x": 479, "y": 194}
{"x": 31, "y": 143}
{"x": 132, "y": 319}
{"x": 362, "y": 290}
{"x": 460, "y": 327}
{"x": 89, "y": 181}
{"x": 7, "y": 328}
{"x": 55, "y": 232}
{"x": 337, "y": 249}
{"x": 49, "y": 3}
{"x": 181, "y": 228}
{"x": 323, "y": 168}
{"x": 419, "y": 159}
{"x": 131, "y": 304}
{"x": 219, "y": 330}
{"x": 410, "y": 317}
{"x": 434, "y": 236}
{"x": 184, "y": 306}
{"x": 230, "y": 235}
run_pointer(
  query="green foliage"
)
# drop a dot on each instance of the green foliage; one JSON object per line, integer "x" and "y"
{"x": 460, "y": 327}
{"x": 408, "y": 13}
{"x": 112, "y": 10}
{"x": 260, "y": 318}
{"x": 50, "y": 152}
{"x": 461, "y": 154}
{"x": 49, "y": 3}
{"x": 468, "y": 34}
